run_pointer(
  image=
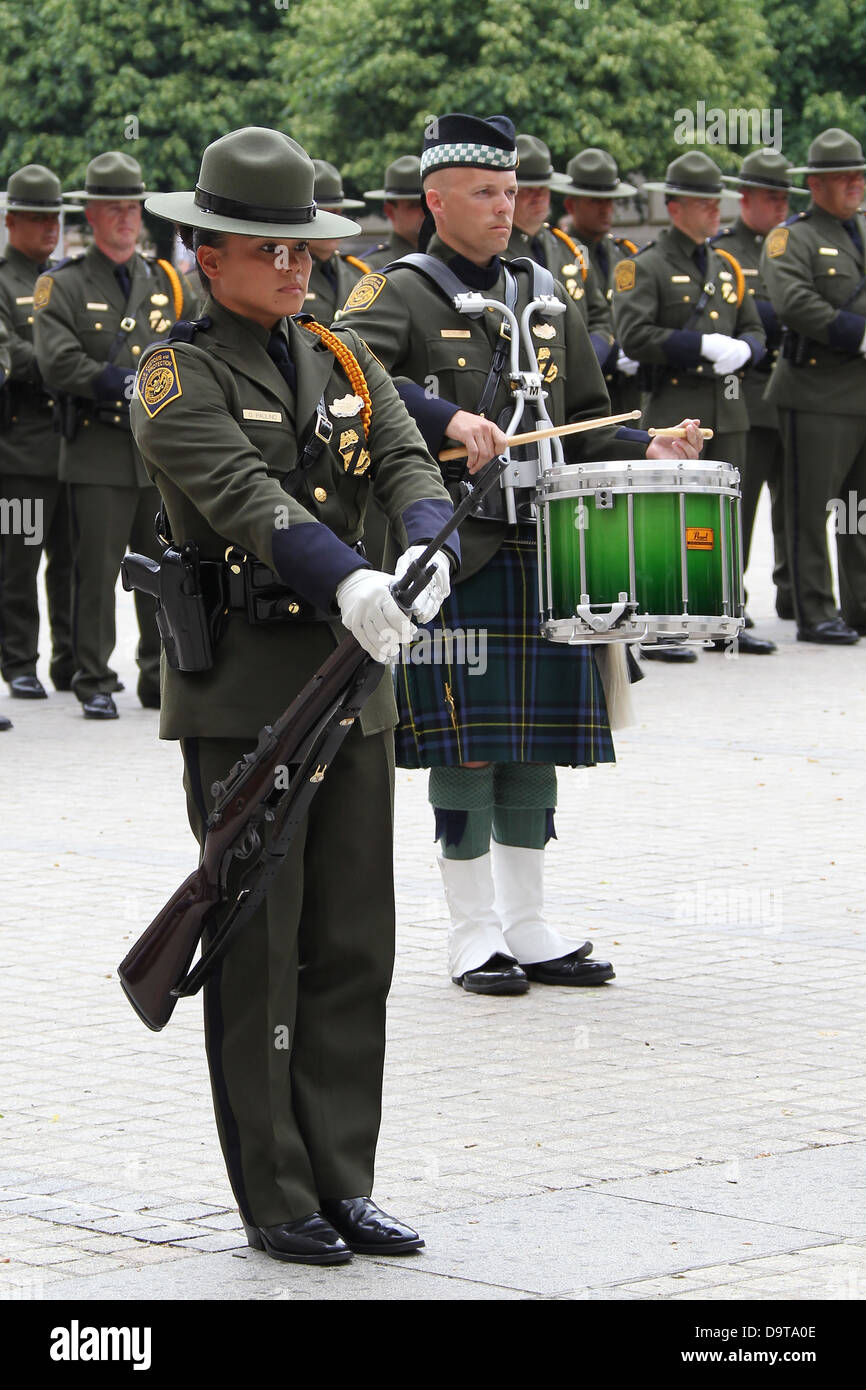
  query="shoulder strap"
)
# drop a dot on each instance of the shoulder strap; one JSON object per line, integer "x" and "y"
{"x": 176, "y": 286}
{"x": 542, "y": 279}
{"x": 441, "y": 275}
{"x": 184, "y": 330}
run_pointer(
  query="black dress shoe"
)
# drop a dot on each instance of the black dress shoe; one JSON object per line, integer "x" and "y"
{"x": 99, "y": 707}
{"x": 310, "y": 1241}
{"x": 834, "y": 630}
{"x": 5, "y": 723}
{"x": 572, "y": 969}
{"x": 498, "y": 975}
{"x": 668, "y": 654}
{"x": 745, "y": 643}
{"x": 367, "y": 1229}
{"x": 28, "y": 688}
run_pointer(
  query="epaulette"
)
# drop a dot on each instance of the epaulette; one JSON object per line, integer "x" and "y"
{"x": 184, "y": 330}
{"x": 640, "y": 250}
{"x": 723, "y": 231}
{"x": 797, "y": 217}
{"x": 373, "y": 250}
{"x": 61, "y": 265}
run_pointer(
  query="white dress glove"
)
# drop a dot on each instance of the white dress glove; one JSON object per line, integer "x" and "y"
{"x": 371, "y": 614}
{"x": 862, "y": 347}
{"x": 726, "y": 354}
{"x": 626, "y": 365}
{"x": 431, "y": 599}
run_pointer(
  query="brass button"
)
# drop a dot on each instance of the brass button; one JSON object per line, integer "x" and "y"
{"x": 320, "y": 494}
{"x": 235, "y": 569}
{"x": 29, "y": 318}
{"x": 813, "y": 362}
{"x": 294, "y": 608}
{"x": 117, "y": 419}
{"x": 751, "y": 291}
{"x": 135, "y": 350}
{"x": 674, "y": 381}
{"x": 687, "y": 298}
{"x": 461, "y": 361}
{"x": 97, "y": 325}
{"x": 700, "y": 367}
{"x": 831, "y": 270}
{"x": 714, "y": 313}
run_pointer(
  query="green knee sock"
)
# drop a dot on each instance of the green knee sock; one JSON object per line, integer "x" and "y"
{"x": 462, "y": 798}
{"x": 524, "y": 796}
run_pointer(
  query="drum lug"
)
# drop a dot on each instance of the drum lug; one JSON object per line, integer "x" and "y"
{"x": 603, "y": 622}
{"x": 603, "y": 499}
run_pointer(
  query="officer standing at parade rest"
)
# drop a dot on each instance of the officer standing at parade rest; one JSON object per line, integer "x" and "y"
{"x": 814, "y": 267}
{"x": 94, "y": 316}
{"x": 567, "y": 260}
{"x": 266, "y": 435}
{"x": 334, "y": 271}
{"x": 682, "y": 312}
{"x": 764, "y": 185}
{"x": 29, "y": 451}
{"x": 591, "y": 187}
{"x": 401, "y": 197}
{"x": 493, "y": 736}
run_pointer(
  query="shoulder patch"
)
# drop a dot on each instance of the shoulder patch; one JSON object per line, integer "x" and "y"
{"x": 365, "y": 291}
{"x": 158, "y": 382}
{"x": 624, "y": 276}
{"x": 777, "y": 241}
{"x": 42, "y": 291}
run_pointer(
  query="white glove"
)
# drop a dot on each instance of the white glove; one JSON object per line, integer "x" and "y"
{"x": 430, "y": 599}
{"x": 726, "y": 354}
{"x": 370, "y": 612}
{"x": 626, "y": 365}
{"x": 862, "y": 347}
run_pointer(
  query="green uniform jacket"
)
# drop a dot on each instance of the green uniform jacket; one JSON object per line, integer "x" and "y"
{"x": 616, "y": 249}
{"x": 746, "y": 246}
{"x": 815, "y": 277}
{"x": 79, "y": 306}
{"x": 558, "y": 255}
{"x": 322, "y": 300}
{"x": 29, "y": 444}
{"x": 656, "y": 293}
{"x": 384, "y": 252}
{"x": 440, "y": 360}
{"x": 218, "y": 436}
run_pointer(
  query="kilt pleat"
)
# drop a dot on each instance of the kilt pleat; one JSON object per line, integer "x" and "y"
{"x": 479, "y": 684}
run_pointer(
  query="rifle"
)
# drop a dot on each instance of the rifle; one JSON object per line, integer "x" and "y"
{"x": 255, "y": 818}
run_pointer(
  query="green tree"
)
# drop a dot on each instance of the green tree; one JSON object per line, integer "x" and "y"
{"x": 820, "y": 74}
{"x": 159, "y": 81}
{"x": 611, "y": 74}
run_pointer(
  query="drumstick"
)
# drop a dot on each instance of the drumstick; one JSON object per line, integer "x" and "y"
{"x": 530, "y": 438}
{"x": 676, "y": 432}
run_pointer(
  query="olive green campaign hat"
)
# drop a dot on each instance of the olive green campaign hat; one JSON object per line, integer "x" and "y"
{"x": 33, "y": 189}
{"x": 834, "y": 151}
{"x": 534, "y": 165}
{"x": 110, "y": 177}
{"x": 594, "y": 174}
{"x": 402, "y": 180}
{"x": 692, "y": 175}
{"x": 254, "y": 182}
{"x": 328, "y": 190}
{"x": 764, "y": 169}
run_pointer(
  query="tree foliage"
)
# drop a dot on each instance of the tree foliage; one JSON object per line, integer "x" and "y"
{"x": 820, "y": 72}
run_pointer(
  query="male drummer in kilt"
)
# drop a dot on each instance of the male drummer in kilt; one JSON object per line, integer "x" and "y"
{"x": 492, "y": 738}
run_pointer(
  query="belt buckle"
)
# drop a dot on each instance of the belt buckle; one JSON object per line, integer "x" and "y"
{"x": 127, "y": 323}
{"x": 324, "y": 428}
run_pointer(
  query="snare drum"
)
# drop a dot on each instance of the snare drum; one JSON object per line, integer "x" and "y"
{"x": 638, "y": 550}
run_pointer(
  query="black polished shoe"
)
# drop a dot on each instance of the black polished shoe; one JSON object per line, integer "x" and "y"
{"x": 498, "y": 975}
{"x": 28, "y": 688}
{"x": 99, "y": 707}
{"x": 366, "y": 1229}
{"x": 309, "y": 1241}
{"x": 746, "y": 644}
{"x": 668, "y": 654}
{"x": 5, "y": 723}
{"x": 834, "y": 630}
{"x": 572, "y": 969}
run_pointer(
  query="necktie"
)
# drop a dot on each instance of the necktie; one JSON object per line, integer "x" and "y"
{"x": 701, "y": 259}
{"x": 601, "y": 252}
{"x": 278, "y": 351}
{"x": 124, "y": 280}
{"x": 850, "y": 225}
{"x": 329, "y": 271}
{"x": 537, "y": 247}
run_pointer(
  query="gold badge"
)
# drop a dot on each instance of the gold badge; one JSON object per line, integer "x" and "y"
{"x": 570, "y": 269}
{"x": 365, "y": 292}
{"x": 356, "y": 459}
{"x": 42, "y": 291}
{"x": 777, "y": 241}
{"x": 624, "y": 276}
{"x": 549, "y": 370}
{"x": 159, "y": 299}
{"x": 158, "y": 382}
{"x": 345, "y": 406}
{"x": 544, "y": 330}
{"x": 729, "y": 294}
{"x": 574, "y": 289}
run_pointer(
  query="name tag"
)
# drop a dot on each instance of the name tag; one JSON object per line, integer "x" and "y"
{"x": 311, "y": 296}
{"x": 24, "y": 299}
{"x": 455, "y": 333}
{"x": 680, "y": 279}
{"x": 273, "y": 417}
{"x": 828, "y": 251}
{"x": 97, "y": 306}
{"x": 747, "y": 271}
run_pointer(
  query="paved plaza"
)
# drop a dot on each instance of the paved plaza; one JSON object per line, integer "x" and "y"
{"x": 694, "y": 1130}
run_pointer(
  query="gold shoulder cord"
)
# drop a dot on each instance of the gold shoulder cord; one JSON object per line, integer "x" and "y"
{"x": 627, "y": 243}
{"x": 738, "y": 273}
{"x": 573, "y": 248}
{"x": 357, "y": 263}
{"x": 351, "y": 366}
{"x": 176, "y": 287}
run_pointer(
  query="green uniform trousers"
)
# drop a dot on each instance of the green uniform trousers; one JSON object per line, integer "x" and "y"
{"x": 105, "y": 520}
{"x": 825, "y": 458}
{"x": 19, "y": 567}
{"x": 295, "y": 1011}
{"x": 765, "y": 464}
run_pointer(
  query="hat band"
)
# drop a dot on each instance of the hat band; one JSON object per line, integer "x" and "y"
{"x": 598, "y": 187}
{"x": 32, "y": 202}
{"x": 762, "y": 180}
{"x": 470, "y": 153}
{"x": 231, "y": 207}
{"x": 840, "y": 164}
{"x": 711, "y": 190}
{"x": 110, "y": 190}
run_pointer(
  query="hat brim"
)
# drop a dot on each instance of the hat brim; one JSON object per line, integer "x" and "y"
{"x": 576, "y": 190}
{"x": 86, "y": 197}
{"x": 342, "y": 203}
{"x": 857, "y": 168}
{"x": 739, "y": 185}
{"x": 183, "y": 209}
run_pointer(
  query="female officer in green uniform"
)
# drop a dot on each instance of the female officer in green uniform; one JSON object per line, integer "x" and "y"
{"x": 265, "y": 438}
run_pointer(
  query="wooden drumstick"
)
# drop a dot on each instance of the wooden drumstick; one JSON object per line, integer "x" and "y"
{"x": 677, "y": 432}
{"x": 530, "y": 438}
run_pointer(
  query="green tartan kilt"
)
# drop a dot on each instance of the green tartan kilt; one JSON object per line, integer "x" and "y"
{"x": 479, "y": 684}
